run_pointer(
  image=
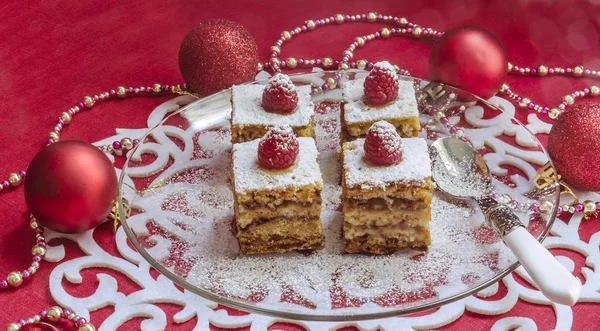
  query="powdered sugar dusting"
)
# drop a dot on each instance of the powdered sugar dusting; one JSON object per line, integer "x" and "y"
{"x": 414, "y": 168}
{"x": 249, "y": 175}
{"x": 248, "y": 110}
{"x": 462, "y": 181}
{"x": 356, "y": 111}
{"x": 385, "y": 65}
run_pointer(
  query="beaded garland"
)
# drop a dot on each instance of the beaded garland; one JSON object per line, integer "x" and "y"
{"x": 401, "y": 28}
{"x": 53, "y": 315}
{"x": 404, "y": 28}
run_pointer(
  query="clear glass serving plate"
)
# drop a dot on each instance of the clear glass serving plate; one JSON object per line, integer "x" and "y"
{"x": 176, "y": 182}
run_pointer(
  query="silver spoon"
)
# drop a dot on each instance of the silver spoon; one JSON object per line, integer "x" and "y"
{"x": 459, "y": 171}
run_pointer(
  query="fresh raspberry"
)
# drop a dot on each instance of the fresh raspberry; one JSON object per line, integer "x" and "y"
{"x": 381, "y": 85}
{"x": 280, "y": 95}
{"x": 278, "y": 149}
{"x": 383, "y": 145}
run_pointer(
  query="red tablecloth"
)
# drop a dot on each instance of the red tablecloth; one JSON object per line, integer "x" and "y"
{"x": 52, "y": 54}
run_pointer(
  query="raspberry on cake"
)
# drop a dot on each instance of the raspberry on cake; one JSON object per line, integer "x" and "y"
{"x": 256, "y": 108}
{"x": 386, "y": 192}
{"x": 277, "y": 187}
{"x": 381, "y": 96}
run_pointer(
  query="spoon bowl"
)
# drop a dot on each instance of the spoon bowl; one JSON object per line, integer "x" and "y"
{"x": 459, "y": 171}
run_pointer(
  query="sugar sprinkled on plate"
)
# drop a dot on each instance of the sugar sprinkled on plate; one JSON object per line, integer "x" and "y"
{"x": 325, "y": 279}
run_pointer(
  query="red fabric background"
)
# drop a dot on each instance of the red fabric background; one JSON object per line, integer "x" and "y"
{"x": 52, "y": 54}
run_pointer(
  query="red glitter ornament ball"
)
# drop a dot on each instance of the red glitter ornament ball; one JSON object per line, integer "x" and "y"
{"x": 217, "y": 54}
{"x": 470, "y": 58}
{"x": 70, "y": 186}
{"x": 574, "y": 146}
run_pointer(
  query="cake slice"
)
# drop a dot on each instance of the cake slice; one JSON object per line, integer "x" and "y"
{"x": 256, "y": 108}
{"x": 397, "y": 106}
{"x": 277, "y": 193}
{"x": 386, "y": 193}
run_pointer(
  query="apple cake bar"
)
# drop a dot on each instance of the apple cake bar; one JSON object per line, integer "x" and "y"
{"x": 250, "y": 120}
{"x": 357, "y": 115}
{"x": 277, "y": 210}
{"x": 386, "y": 207}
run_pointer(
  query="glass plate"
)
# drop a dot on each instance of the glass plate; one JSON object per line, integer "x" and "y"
{"x": 177, "y": 184}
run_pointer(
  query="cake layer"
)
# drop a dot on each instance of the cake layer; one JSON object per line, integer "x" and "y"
{"x": 382, "y": 217}
{"x": 386, "y": 203}
{"x": 384, "y": 239}
{"x": 282, "y": 245}
{"x": 409, "y": 233}
{"x": 242, "y": 133}
{"x": 379, "y": 245}
{"x": 406, "y": 127}
{"x": 247, "y": 216}
{"x": 421, "y": 193}
{"x": 256, "y": 186}
{"x": 306, "y": 194}
{"x": 280, "y": 235}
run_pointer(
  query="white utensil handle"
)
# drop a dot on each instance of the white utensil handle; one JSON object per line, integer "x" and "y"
{"x": 551, "y": 277}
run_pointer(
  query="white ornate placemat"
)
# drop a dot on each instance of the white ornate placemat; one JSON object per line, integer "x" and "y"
{"x": 141, "y": 303}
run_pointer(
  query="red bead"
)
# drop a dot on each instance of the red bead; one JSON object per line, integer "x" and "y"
{"x": 80, "y": 322}
{"x": 469, "y": 58}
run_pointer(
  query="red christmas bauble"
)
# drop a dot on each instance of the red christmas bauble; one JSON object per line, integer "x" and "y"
{"x": 469, "y": 58}
{"x": 574, "y": 146}
{"x": 39, "y": 326}
{"x": 217, "y": 54}
{"x": 70, "y": 186}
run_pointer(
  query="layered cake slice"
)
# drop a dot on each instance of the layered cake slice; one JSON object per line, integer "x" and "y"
{"x": 381, "y": 96}
{"x": 256, "y": 108}
{"x": 387, "y": 192}
{"x": 277, "y": 193}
